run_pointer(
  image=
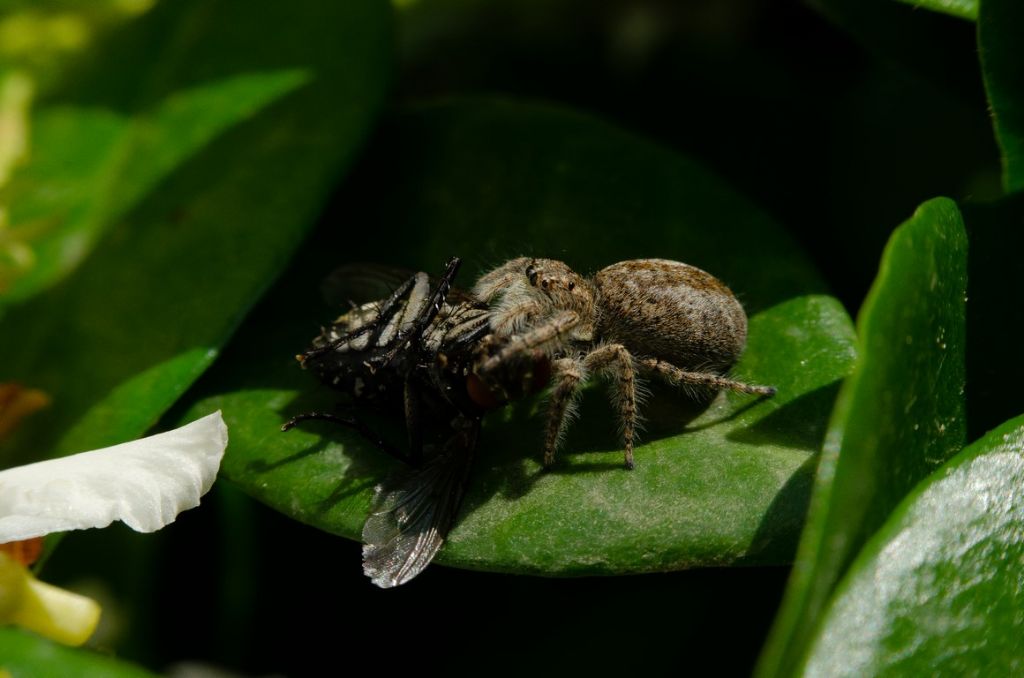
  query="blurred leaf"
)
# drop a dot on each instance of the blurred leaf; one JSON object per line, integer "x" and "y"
{"x": 24, "y": 655}
{"x": 1002, "y": 53}
{"x": 937, "y": 590}
{"x": 117, "y": 342}
{"x": 44, "y": 38}
{"x": 923, "y": 52}
{"x": 490, "y": 180}
{"x": 898, "y": 418}
{"x": 911, "y": 47}
{"x": 965, "y": 9}
{"x": 89, "y": 166}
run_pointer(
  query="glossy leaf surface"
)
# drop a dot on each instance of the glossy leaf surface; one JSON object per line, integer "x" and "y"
{"x": 205, "y": 219}
{"x": 898, "y": 418}
{"x": 490, "y": 180}
{"x": 938, "y": 589}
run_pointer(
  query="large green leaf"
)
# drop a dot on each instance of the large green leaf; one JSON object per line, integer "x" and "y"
{"x": 937, "y": 591}
{"x": 24, "y": 655}
{"x": 1002, "y": 53}
{"x": 898, "y": 418}
{"x": 120, "y": 340}
{"x": 490, "y": 180}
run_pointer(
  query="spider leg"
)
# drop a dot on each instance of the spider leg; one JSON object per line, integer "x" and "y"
{"x": 675, "y": 376}
{"x": 497, "y": 280}
{"x": 615, "y": 360}
{"x": 567, "y": 374}
{"x": 544, "y": 335}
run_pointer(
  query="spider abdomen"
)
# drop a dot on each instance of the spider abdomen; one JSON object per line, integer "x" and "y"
{"x": 672, "y": 311}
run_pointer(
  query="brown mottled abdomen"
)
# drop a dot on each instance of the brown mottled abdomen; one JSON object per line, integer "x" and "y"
{"x": 672, "y": 311}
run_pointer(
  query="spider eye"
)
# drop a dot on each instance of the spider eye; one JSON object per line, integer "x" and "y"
{"x": 531, "y": 273}
{"x": 572, "y": 286}
{"x": 544, "y": 283}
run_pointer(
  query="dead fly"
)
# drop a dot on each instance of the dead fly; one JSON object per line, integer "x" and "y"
{"x": 413, "y": 352}
{"x": 410, "y": 349}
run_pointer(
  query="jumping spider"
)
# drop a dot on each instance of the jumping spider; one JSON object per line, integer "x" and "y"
{"x": 659, "y": 318}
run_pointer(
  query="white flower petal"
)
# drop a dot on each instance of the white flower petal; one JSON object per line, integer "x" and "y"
{"x": 145, "y": 483}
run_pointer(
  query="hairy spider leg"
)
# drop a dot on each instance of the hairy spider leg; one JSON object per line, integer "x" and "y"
{"x": 543, "y": 335}
{"x": 675, "y": 376}
{"x": 567, "y": 374}
{"x": 514, "y": 316}
{"x": 612, "y": 359}
{"x": 499, "y": 279}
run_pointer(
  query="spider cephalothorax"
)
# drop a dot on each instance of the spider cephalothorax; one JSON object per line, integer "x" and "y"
{"x": 655, "y": 317}
{"x": 524, "y": 292}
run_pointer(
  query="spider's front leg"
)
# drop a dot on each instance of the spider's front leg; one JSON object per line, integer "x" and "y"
{"x": 500, "y": 279}
{"x": 567, "y": 374}
{"x": 570, "y": 373}
{"x": 616, "y": 361}
{"x": 548, "y": 334}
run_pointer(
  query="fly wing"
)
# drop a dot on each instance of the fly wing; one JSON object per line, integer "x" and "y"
{"x": 412, "y": 512}
{"x": 360, "y": 283}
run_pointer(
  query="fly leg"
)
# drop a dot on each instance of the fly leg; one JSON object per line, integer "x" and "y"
{"x": 411, "y": 333}
{"x": 353, "y": 423}
{"x": 413, "y": 423}
{"x": 388, "y": 308}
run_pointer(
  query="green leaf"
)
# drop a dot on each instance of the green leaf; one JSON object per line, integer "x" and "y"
{"x": 119, "y": 341}
{"x": 1002, "y": 53}
{"x": 937, "y": 590}
{"x": 965, "y": 9}
{"x": 24, "y": 655}
{"x": 89, "y": 166}
{"x": 898, "y": 417}
{"x": 48, "y": 38}
{"x": 490, "y": 180}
